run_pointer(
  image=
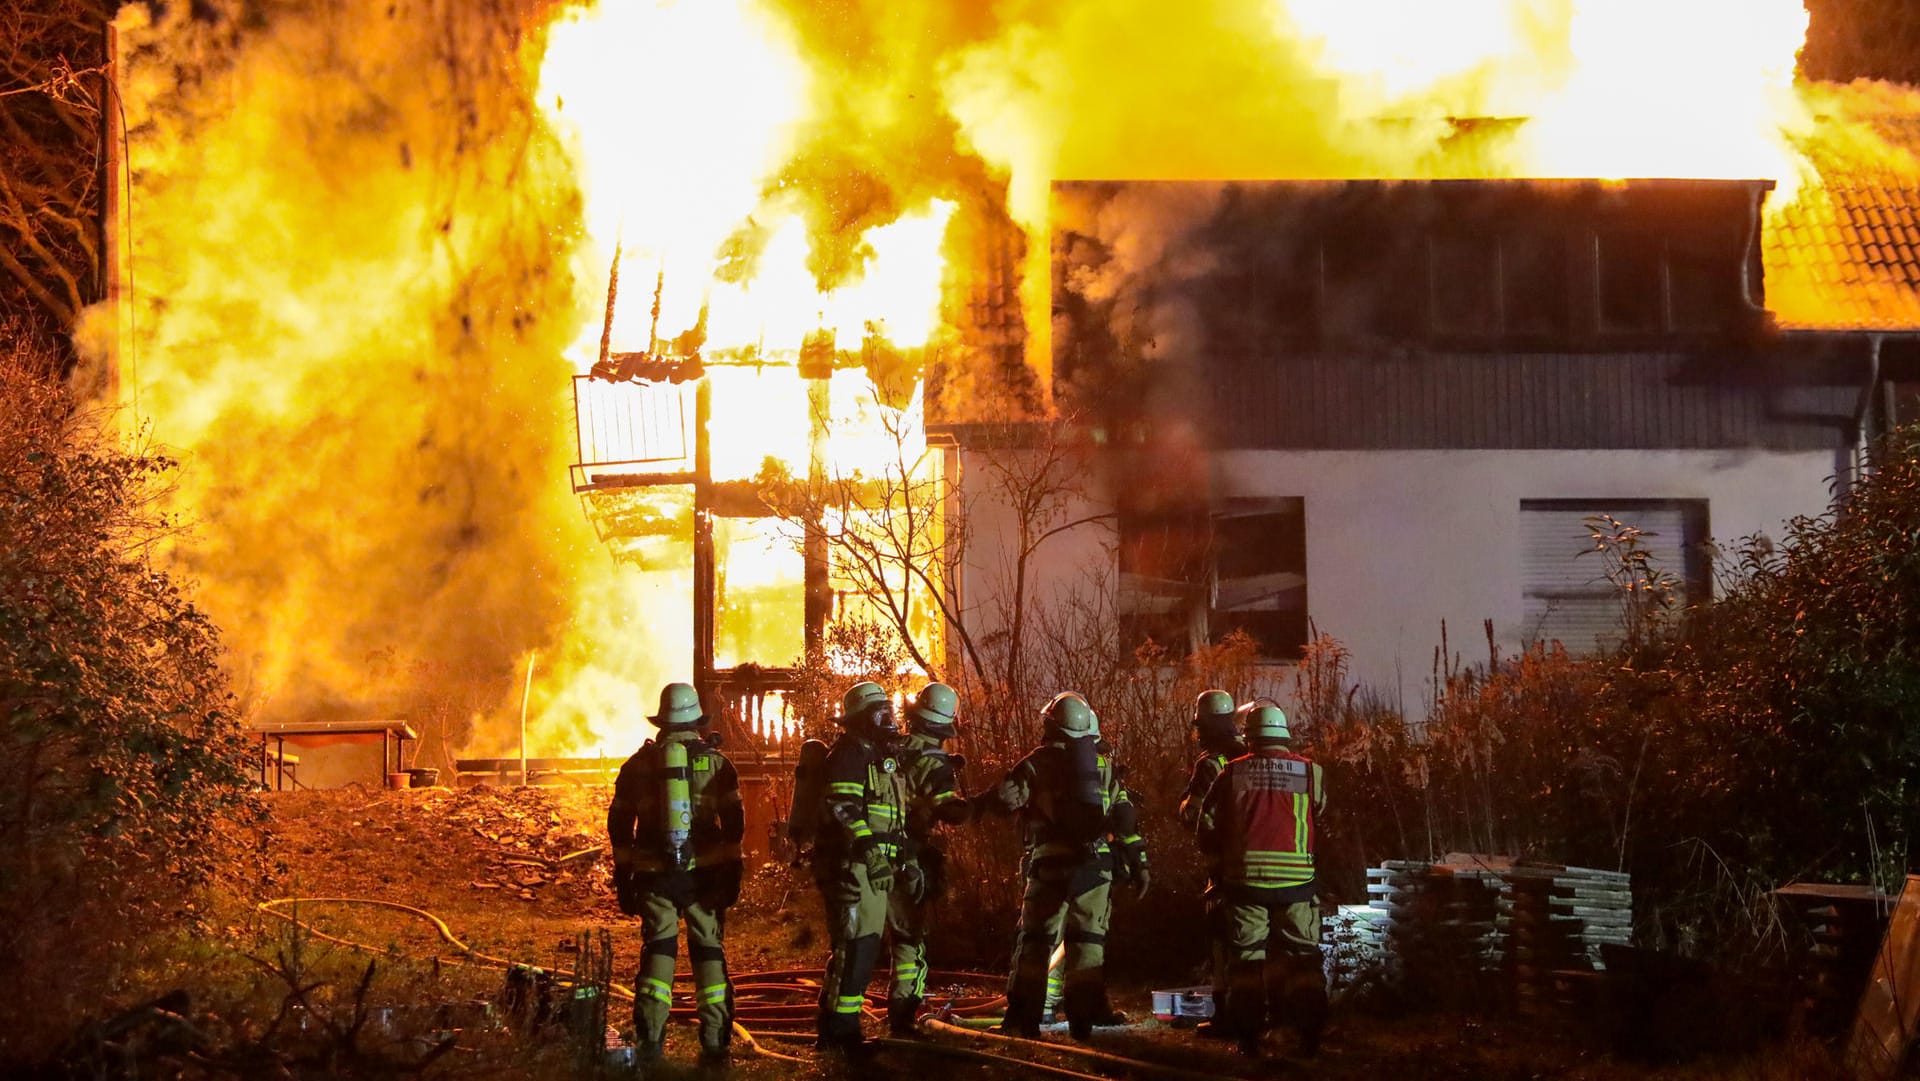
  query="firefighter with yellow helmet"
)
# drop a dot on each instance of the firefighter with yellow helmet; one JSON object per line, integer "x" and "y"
{"x": 857, "y": 849}
{"x": 1215, "y": 728}
{"x": 1081, "y": 832}
{"x": 934, "y": 799}
{"x": 674, "y": 825}
{"x": 1259, "y": 826}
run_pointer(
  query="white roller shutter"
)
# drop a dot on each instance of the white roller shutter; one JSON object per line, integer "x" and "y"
{"x": 1567, "y": 597}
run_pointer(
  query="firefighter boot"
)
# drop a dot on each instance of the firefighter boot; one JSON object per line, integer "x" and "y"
{"x": 901, "y": 1013}
{"x": 1023, "y": 1016}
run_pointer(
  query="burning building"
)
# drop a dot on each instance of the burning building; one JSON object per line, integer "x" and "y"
{"x": 818, "y": 273}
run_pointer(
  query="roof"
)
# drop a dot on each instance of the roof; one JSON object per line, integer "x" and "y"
{"x": 1845, "y": 253}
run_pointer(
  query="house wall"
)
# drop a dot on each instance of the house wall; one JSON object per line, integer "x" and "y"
{"x": 1399, "y": 542}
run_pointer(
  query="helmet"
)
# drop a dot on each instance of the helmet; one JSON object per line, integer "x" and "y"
{"x": 1264, "y": 724}
{"x": 932, "y": 710}
{"x": 866, "y": 708}
{"x": 1213, "y": 703}
{"x": 679, "y": 706}
{"x": 1069, "y": 717}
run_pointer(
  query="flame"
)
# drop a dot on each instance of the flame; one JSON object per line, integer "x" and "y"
{"x": 373, "y": 240}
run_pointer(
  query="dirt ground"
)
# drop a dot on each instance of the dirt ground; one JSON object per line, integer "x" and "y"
{"x": 519, "y": 874}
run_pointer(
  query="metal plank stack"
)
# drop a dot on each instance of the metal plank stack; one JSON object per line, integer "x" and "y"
{"x": 1438, "y": 926}
{"x": 1470, "y": 927}
{"x": 1555, "y": 919}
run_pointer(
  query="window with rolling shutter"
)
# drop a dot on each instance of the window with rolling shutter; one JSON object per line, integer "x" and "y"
{"x": 1567, "y": 596}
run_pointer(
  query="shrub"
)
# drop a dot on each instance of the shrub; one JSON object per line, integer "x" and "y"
{"x": 122, "y": 760}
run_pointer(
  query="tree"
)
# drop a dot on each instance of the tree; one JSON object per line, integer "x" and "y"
{"x": 53, "y": 98}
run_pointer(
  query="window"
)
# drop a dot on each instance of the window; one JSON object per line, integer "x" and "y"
{"x": 1463, "y": 275}
{"x": 1533, "y": 286}
{"x": 1675, "y": 283}
{"x": 1632, "y": 282}
{"x": 1193, "y": 578}
{"x": 1566, "y": 594}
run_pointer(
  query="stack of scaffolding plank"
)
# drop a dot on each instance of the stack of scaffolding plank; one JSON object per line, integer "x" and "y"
{"x": 1438, "y": 924}
{"x": 1471, "y": 926}
{"x": 1845, "y": 924}
{"x": 1555, "y": 919}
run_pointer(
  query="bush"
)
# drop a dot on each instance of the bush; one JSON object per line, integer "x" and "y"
{"x": 122, "y": 761}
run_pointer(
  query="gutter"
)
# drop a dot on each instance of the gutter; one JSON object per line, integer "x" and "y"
{"x": 1863, "y": 406}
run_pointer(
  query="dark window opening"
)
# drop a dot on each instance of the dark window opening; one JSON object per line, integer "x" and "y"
{"x": 1703, "y": 286}
{"x": 1195, "y": 578}
{"x": 1464, "y": 282}
{"x": 1631, "y": 284}
{"x": 1533, "y": 285}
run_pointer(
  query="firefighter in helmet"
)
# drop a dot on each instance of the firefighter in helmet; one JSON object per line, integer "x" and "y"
{"x": 1216, "y": 731}
{"x": 1258, "y": 826}
{"x": 1081, "y": 832}
{"x": 675, "y": 825}
{"x": 933, "y": 800}
{"x": 856, "y": 853}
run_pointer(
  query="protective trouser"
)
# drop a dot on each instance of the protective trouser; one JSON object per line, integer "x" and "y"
{"x": 1070, "y": 906}
{"x": 653, "y": 990}
{"x": 1272, "y": 937}
{"x": 856, "y": 915}
{"x": 907, "y": 924}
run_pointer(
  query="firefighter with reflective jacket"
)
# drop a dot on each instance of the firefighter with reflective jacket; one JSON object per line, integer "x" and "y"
{"x": 933, "y": 799}
{"x": 1258, "y": 826}
{"x": 857, "y": 849}
{"x": 1081, "y": 833}
{"x": 675, "y": 825}
{"x": 1216, "y": 730}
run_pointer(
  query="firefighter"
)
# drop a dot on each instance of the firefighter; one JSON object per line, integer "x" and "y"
{"x": 675, "y": 825}
{"x": 855, "y": 854}
{"x": 1080, "y": 830}
{"x": 1258, "y": 825}
{"x": 1216, "y": 731}
{"x": 933, "y": 799}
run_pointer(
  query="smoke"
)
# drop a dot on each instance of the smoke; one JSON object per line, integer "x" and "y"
{"x": 349, "y": 241}
{"x": 361, "y": 258}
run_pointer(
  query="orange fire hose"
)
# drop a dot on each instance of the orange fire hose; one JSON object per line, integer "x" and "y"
{"x": 775, "y": 997}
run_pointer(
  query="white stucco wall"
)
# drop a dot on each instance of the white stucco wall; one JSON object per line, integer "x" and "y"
{"x": 1399, "y": 542}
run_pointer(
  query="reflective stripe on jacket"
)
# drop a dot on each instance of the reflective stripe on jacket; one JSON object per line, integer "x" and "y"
{"x": 1259, "y": 819}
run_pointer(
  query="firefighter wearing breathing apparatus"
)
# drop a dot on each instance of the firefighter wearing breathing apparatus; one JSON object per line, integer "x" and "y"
{"x": 933, "y": 800}
{"x": 675, "y": 825}
{"x": 1258, "y": 826}
{"x": 1216, "y": 731}
{"x": 857, "y": 848}
{"x": 1081, "y": 833}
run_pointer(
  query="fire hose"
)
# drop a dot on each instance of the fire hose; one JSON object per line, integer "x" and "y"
{"x": 778, "y": 997}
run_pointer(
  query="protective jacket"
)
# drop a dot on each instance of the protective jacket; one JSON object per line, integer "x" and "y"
{"x": 1258, "y": 821}
{"x": 865, "y": 805}
{"x": 637, "y": 818}
{"x": 1205, "y": 770}
{"x": 933, "y": 790}
{"x": 1046, "y": 790}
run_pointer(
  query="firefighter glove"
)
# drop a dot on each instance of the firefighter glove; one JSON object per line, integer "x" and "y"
{"x": 1134, "y": 859}
{"x": 624, "y": 892}
{"x": 879, "y": 870}
{"x": 913, "y": 882}
{"x": 954, "y": 812}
